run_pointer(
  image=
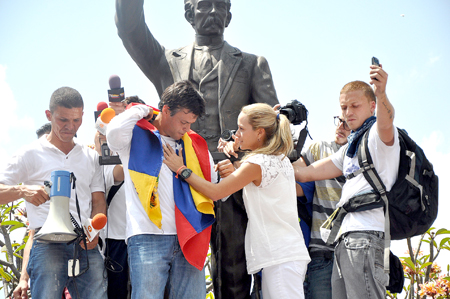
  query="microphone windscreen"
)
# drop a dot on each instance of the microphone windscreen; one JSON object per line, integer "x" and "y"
{"x": 114, "y": 82}
{"x": 99, "y": 221}
{"x": 107, "y": 114}
{"x": 101, "y": 106}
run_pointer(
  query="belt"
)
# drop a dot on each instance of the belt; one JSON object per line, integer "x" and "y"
{"x": 326, "y": 254}
{"x": 379, "y": 234}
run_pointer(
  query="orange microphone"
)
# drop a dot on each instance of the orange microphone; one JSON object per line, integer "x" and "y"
{"x": 92, "y": 226}
{"x": 104, "y": 119}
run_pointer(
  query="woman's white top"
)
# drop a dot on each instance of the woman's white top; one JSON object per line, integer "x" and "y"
{"x": 273, "y": 233}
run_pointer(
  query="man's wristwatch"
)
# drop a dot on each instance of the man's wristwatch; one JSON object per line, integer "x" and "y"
{"x": 185, "y": 173}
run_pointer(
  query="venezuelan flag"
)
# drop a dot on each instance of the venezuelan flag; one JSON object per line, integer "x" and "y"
{"x": 194, "y": 213}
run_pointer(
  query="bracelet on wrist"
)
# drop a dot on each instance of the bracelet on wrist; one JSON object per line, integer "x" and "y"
{"x": 178, "y": 171}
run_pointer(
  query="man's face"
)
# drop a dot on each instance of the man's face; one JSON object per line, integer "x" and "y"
{"x": 356, "y": 108}
{"x": 341, "y": 134}
{"x": 210, "y": 17}
{"x": 65, "y": 122}
{"x": 177, "y": 125}
{"x": 118, "y": 107}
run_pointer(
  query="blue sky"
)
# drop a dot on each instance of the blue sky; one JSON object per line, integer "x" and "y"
{"x": 313, "y": 49}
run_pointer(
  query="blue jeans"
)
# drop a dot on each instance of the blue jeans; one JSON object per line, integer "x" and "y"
{"x": 318, "y": 283}
{"x": 48, "y": 270}
{"x": 358, "y": 270}
{"x": 156, "y": 261}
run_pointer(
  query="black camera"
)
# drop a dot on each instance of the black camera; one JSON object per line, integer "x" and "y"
{"x": 295, "y": 112}
{"x": 107, "y": 158}
{"x": 227, "y": 135}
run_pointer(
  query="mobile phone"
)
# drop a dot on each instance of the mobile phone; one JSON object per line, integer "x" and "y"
{"x": 77, "y": 267}
{"x": 375, "y": 61}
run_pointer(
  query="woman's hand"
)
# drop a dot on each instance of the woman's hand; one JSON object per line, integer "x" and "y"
{"x": 171, "y": 159}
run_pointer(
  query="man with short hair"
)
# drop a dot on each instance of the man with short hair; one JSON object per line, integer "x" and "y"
{"x": 44, "y": 129}
{"x": 358, "y": 270}
{"x": 227, "y": 79}
{"x": 32, "y": 165}
{"x": 162, "y": 247}
{"x": 326, "y": 195}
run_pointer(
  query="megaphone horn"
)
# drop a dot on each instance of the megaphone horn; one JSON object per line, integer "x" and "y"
{"x": 57, "y": 227}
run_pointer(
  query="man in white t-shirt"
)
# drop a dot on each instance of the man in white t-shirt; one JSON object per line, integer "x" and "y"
{"x": 48, "y": 263}
{"x": 358, "y": 270}
{"x": 157, "y": 251}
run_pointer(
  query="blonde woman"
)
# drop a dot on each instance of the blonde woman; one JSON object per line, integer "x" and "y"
{"x": 273, "y": 240}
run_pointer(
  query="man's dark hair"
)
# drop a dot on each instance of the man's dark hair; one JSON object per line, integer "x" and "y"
{"x": 44, "y": 129}
{"x": 66, "y": 97}
{"x": 182, "y": 95}
{"x": 133, "y": 99}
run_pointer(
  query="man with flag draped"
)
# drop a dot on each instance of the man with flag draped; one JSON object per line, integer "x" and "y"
{"x": 168, "y": 223}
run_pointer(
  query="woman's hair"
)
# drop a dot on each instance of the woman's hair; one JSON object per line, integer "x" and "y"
{"x": 278, "y": 133}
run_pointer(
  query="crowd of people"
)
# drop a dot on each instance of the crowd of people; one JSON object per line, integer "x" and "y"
{"x": 171, "y": 198}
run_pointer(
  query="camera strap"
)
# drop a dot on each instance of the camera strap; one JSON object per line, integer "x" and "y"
{"x": 301, "y": 139}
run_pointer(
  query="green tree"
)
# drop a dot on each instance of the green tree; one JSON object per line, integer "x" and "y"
{"x": 422, "y": 272}
{"x": 12, "y": 251}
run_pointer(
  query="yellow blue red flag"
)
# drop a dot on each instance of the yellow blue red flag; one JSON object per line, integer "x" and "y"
{"x": 194, "y": 213}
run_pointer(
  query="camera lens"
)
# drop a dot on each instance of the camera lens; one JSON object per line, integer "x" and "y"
{"x": 227, "y": 135}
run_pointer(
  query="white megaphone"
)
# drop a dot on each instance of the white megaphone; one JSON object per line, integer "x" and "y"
{"x": 58, "y": 227}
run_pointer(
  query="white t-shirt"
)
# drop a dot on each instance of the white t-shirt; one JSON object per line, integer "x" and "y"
{"x": 34, "y": 163}
{"x": 117, "y": 211}
{"x": 386, "y": 161}
{"x": 119, "y": 134}
{"x": 273, "y": 233}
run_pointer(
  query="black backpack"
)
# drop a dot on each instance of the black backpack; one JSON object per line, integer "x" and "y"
{"x": 413, "y": 199}
{"x": 410, "y": 206}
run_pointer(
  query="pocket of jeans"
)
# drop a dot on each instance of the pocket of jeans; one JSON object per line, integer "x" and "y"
{"x": 319, "y": 264}
{"x": 352, "y": 242}
{"x": 379, "y": 274}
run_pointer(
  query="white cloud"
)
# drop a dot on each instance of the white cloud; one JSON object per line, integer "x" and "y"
{"x": 9, "y": 117}
{"x": 434, "y": 59}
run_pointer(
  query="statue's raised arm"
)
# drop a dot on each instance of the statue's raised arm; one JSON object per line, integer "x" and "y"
{"x": 139, "y": 42}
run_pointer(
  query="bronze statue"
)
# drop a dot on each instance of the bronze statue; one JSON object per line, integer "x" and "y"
{"x": 227, "y": 79}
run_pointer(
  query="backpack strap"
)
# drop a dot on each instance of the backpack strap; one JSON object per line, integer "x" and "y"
{"x": 372, "y": 177}
{"x": 113, "y": 192}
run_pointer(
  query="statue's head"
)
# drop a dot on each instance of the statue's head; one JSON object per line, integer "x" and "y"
{"x": 208, "y": 17}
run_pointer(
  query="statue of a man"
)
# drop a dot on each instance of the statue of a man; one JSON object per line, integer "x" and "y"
{"x": 228, "y": 79}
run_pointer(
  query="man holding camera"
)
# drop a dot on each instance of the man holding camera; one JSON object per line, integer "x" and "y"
{"x": 48, "y": 263}
{"x": 359, "y": 254}
{"x": 326, "y": 195}
{"x": 227, "y": 79}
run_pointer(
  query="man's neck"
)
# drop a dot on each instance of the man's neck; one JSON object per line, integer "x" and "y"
{"x": 157, "y": 124}
{"x": 209, "y": 41}
{"x": 65, "y": 147}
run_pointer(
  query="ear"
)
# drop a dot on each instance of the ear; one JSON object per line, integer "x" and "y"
{"x": 261, "y": 133}
{"x": 189, "y": 15}
{"x": 228, "y": 20}
{"x": 373, "y": 105}
{"x": 48, "y": 114}
{"x": 165, "y": 110}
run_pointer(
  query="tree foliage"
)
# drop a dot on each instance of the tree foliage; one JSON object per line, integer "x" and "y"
{"x": 12, "y": 218}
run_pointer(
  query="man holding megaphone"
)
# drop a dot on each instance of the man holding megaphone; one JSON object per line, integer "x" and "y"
{"x": 50, "y": 263}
